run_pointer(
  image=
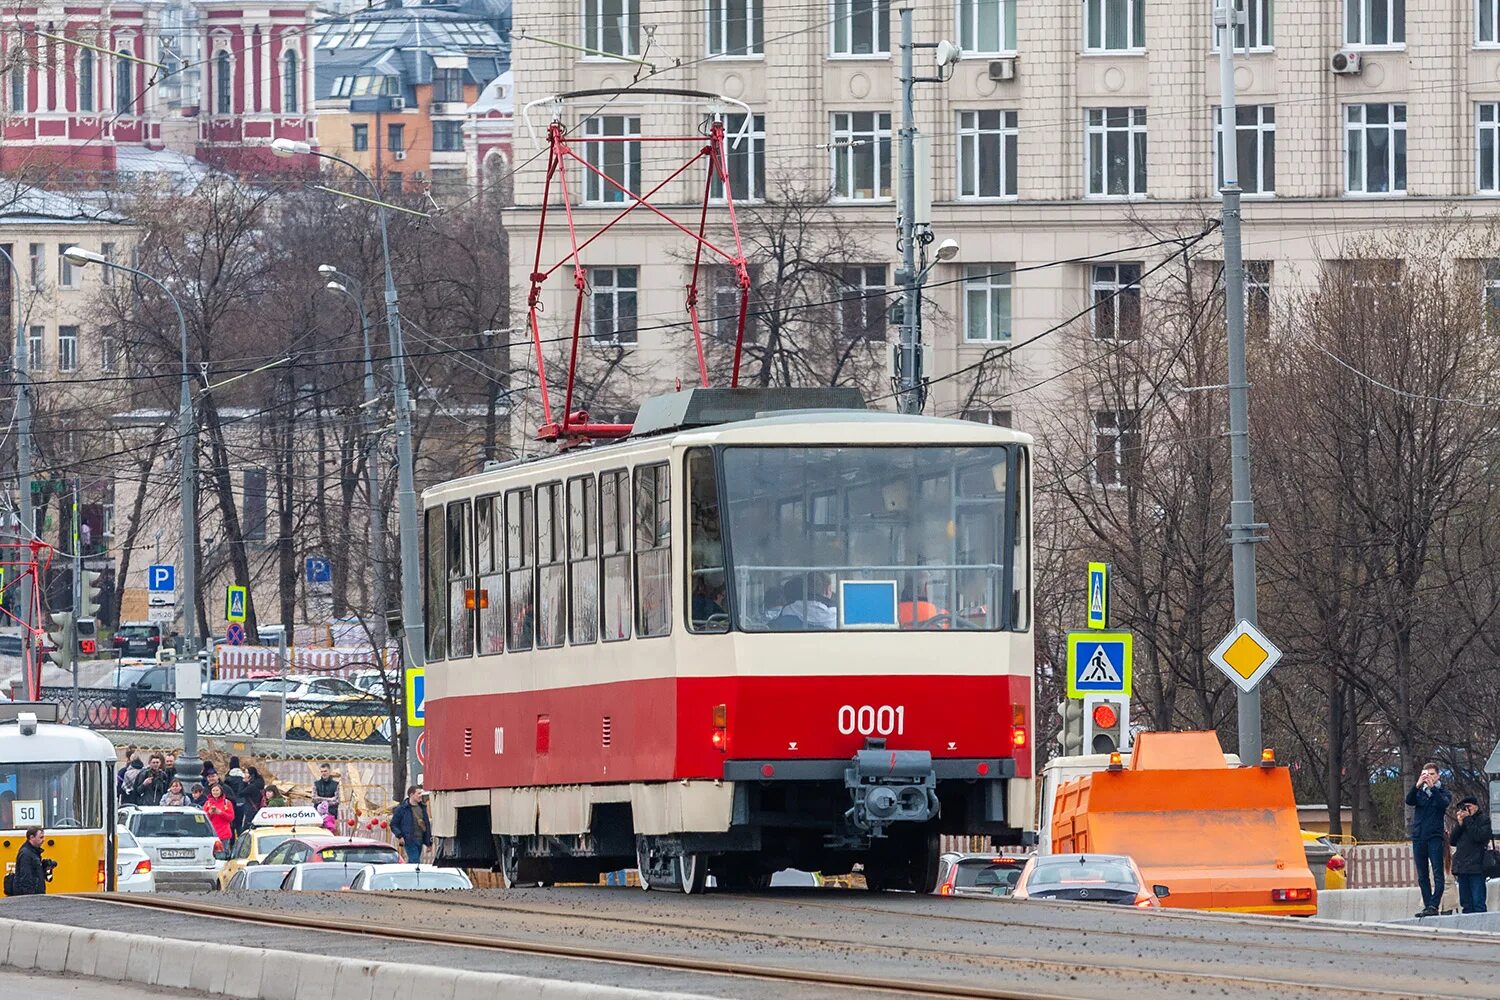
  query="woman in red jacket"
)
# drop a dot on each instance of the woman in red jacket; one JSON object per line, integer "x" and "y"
{"x": 220, "y": 810}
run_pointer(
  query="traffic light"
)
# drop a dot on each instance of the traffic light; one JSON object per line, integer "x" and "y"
{"x": 1070, "y": 735}
{"x": 89, "y": 592}
{"x": 61, "y": 636}
{"x": 1107, "y": 716}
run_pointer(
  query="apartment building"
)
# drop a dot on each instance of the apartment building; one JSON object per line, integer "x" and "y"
{"x": 1065, "y": 131}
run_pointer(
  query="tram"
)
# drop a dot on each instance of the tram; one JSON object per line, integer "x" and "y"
{"x": 761, "y": 631}
{"x": 60, "y": 778}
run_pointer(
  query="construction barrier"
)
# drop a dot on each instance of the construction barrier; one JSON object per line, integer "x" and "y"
{"x": 1381, "y": 866}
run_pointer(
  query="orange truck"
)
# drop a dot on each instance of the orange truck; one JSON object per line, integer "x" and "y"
{"x": 1219, "y": 837}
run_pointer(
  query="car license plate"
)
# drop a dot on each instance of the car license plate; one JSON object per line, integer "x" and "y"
{"x": 169, "y": 852}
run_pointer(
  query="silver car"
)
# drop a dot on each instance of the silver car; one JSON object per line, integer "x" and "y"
{"x": 180, "y": 842}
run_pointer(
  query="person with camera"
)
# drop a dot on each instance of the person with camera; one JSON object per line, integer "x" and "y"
{"x": 1429, "y": 842}
{"x": 33, "y": 871}
{"x": 1469, "y": 839}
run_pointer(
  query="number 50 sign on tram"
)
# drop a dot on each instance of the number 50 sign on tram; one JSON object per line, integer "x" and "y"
{"x": 872, "y": 720}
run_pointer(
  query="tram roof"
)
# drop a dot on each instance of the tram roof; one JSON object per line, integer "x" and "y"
{"x": 53, "y": 742}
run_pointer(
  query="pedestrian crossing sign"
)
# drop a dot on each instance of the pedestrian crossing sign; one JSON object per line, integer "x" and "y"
{"x": 1098, "y": 595}
{"x": 234, "y": 604}
{"x": 1099, "y": 663}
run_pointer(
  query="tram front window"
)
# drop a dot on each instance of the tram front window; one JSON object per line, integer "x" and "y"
{"x": 60, "y": 796}
{"x": 942, "y": 527}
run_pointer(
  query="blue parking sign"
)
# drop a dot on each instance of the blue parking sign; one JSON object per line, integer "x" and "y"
{"x": 319, "y": 569}
{"x": 161, "y": 578}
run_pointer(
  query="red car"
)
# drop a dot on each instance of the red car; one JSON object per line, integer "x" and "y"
{"x": 349, "y": 850}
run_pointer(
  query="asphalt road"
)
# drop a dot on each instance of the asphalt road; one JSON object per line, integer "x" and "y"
{"x": 1048, "y": 949}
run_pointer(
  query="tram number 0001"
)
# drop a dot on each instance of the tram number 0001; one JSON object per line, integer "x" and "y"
{"x": 872, "y": 720}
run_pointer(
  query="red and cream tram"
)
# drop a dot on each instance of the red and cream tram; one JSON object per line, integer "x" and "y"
{"x": 738, "y": 640}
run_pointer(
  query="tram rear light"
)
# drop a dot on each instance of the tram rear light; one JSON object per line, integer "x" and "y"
{"x": 721, "y": 716}
{"x": 982, "y": 768}
{"x": 720, "y": 734}
{"x": 1018, "y": 726}
{"x": 100, "y": 875}
{"x": 1302, "y": 895}
{"x": 767, "y": 771}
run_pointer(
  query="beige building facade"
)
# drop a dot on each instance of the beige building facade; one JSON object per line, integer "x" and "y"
{"x": 1067, "y": 133}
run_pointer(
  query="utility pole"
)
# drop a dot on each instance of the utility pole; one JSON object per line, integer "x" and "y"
{"x": 910, "y": 398}
{"x": 1244, "y": 533}
{"x": 27, "y": 529}
{"x": 77, "y": 592}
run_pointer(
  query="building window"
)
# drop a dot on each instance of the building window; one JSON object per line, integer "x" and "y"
{"x": 861, "y": 27}
{"x": 986, "y": 27}
{"x": 723, "y": 322}
{"x": 612, "y": 304}
{"x": 987, "y": 302}
{"x": 862, "y": 311}
{"x": 1255, "y": 29}
{"x": 1491, "y": 293}
{"x": 343, "y": 86}
{"x": 1258, "y": 298}
{"x": 447, "y": 137}
{"x": 109, "y": 350}
{"x": 1117, "y": 152}
{"x": 994, "y": 418}
{"x": 289, "y": 65}
{"x": 124, "y": 83}
{"x": 1117, "y": 447}
{"x": 1115, "y": 25}
{"x": 86, "y": 80}
{"x": 223, "y": 86}
{"x": 1115, "y": 291}
{"x": 18, "y": 83}
{"x": 360, "y": 137}
{"x": 36, "y": 348}
{"x": 38, "y": 265}
{"x": 745, "y": 163}
{"x": 395, "y": 138}
{"x": 735, "y": 27}
{"x": 1375, "y": 148}
{"x": 1487, "y": 26}
{"x": 68, "y": 275}
{"x": 67, "y": 348}
{"x": 861, "y": 155}
{"x": 447, "y": 86}
{"x": 106, "y": 274}
{"x": 612, "y": 27}
{"x": 395, "y": 181}
{"x": 450, "y": 183}
{"x": 1487, "y": 148}
{"x": 1255, "y": 137}
{"x": 987, "y": 154}
{"x": 613, "y": 148}
{"x": 1375, "y": 22}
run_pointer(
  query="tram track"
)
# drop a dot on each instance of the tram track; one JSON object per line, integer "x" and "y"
{"x": 1145, "y": 978}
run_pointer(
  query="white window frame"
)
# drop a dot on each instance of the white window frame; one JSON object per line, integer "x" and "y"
{"x": 36, "y": 348}
{"x": 968, "y": 14}
{"x": 716, "y": 29}
{"x": 1118, "y": 446}
{"x": 69, "y": 275}
{"x": 1492, "y": 9}
{"x": 106, "y": 274}
{"x": 597, "y": 32}
{"x": 990, "y": 418}
{"x": 1256, "y": 31}
{"x": 986, "y": 282}
{"x": 1363, "y": 128}
{"x": 1489, "y": 292}
{"x": 291, "y": 55}
{"x": 1260, "y": 278}
{"x": 1105, "y": 281}
{"x": 864, "y": 289}
{"x": 88, "y": 77}
{"x": 1256, "y": 133}
{"x": 1097, "y": 125}
{"x": 36, "y": 266}
{"x": 1487, "y": 185}
{"x": 1135, "y": 26}
{"x": 971, "y": 138}
{"x": 752, "y": 149}
{"x": 851, "y": 142}
{"x": 109, "y": 350}
{"x": 67, "y": 348}
{"x": 125, "y": 104}
{"x": 614, "y": 290}
{"x": 16, "y": 90}
{"x": 1358, "y": 35}
{"x": 595, "y": 191}
{"x": 842, "y": 21}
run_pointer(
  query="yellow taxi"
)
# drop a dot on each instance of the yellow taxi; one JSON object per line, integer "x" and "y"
{"x": 272, "y": 827}
{"x": 1325, "y": 856}
{"x": 345, "y": 720}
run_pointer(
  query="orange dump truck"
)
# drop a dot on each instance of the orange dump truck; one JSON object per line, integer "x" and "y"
{"x": 1218, "y": 837}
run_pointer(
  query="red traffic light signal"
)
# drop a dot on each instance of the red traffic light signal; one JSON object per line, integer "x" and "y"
{"x": 1105, "y": 717}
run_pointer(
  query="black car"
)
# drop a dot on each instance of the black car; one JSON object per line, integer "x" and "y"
{"x": 138, "y": 639}
{"x": 140, "y": 684}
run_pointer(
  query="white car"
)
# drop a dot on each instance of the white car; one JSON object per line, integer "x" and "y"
{"x": 180, "y": 842}
{"x": 322, "y": 876}
{"x": 385, "y": 878}
{"x": 307, "y": 687}
{"x": 132, "y": 865}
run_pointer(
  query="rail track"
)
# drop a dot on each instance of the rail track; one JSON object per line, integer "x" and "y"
{"x": 1127, "y": 978}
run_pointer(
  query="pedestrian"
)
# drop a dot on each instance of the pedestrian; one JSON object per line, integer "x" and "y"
{"x": 1469, "y": 839}
{"x": 169, "y": 763}
{"x": 326, "y": 789}
{"x": 409, "y": 824}
{"x": 175, "y": 796}
{"x": 329, "y": 823}
{"x": 234, "y": 781}
{"x": 1429, "y": 844}
{"x": 197, "y": 796}
{"x": 130, "y": 755}
{"x": 252, "y": 797}
{"x": 32, "y": 870}
{"x": 149, "y": 783}
{"x": 127, "y": 780}
{"x": 274, "y": 798}
{"x": 220, "y": 810}
{"x": 210, "y": 773}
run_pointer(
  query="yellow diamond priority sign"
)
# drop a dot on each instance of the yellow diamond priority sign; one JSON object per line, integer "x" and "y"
{"x": 1245, "y": 656}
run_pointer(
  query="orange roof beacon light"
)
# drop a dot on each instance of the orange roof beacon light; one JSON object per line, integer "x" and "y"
{"x": 1116, "y": 762}
{"x": 1268, "y": 757}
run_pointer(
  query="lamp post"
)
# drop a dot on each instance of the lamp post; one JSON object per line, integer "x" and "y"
{"x": 23, "y": 451}
{"x": 350, "y": 289}
{"x": 414, "y": 630}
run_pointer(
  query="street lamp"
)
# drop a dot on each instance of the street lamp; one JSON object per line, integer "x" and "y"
{"x": 413, "y": 627}
{"x": 23, "y": 460}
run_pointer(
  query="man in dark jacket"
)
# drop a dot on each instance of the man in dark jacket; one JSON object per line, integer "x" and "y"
{"x": 1469, "y": 838}
{"x": 1429, "y": 843}
{"x": 30, "y": 876}
{"x": 326, "y": 789}
{"x": 409, "y": 824}
{"x": 149, "y": 785}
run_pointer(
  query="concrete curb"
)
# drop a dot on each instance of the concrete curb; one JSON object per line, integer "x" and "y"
{"x": 235, "y": 971}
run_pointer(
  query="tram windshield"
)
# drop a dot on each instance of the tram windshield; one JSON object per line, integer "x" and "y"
{"x": 839, "y": 537}
{"x": 56, "y": 796}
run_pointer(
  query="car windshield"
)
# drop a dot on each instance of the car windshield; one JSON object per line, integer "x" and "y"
{"x": 62, "y": 795}
{"x": 328, "y": 876}
{"x": 266, "y": 844}
{"x": 277, "y": 686}
{"x": 125, "y": 676}
{"x": 979, "y": 874}
{"x": 137, "y": 631}
{"x": 905, "y": 537}
{"x": 172, "y": 824}
{"x": 125, "y": 839}
{"x": 370, "y": 854}
{"x": 419, "y": 880}
{"x": 1084, "y": 871}
{"x": 263, "y": 878}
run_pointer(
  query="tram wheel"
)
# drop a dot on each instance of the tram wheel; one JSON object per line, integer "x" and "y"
{"x": 692, "y": 874}
{"x": 518, "y": 871}
{"x": 905, "y": 862}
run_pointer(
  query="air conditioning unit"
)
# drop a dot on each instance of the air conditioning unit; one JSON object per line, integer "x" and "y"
{"x": 420, "y": 175}
{"x": 398, "y": 104}
{"x": 1345, "y": 62}
{"x": 399, "y": 154}
{"x": 1002, "y": 70}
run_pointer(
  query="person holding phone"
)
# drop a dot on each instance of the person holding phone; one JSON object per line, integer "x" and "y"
{"x": 1469, "y": 838}
{"x": 1429, "y": 843}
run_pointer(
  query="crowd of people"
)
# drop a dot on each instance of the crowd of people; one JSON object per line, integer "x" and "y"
{"x": 230, "y": 801}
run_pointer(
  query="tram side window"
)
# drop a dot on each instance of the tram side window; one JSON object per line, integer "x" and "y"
{"x": 614, "y": 548}
{"x": 520, "y": 557}
{"x": 435, "y": 605}
{"x": 706, "y": 587}
{"x": 583, "y": 568}
{"x": 653, "y": 550}
{"x": 489, "y": 598}
{"x": 552, "y": 571}
{"x": 460, "y": 580}
{"x": 1021, "y": 585}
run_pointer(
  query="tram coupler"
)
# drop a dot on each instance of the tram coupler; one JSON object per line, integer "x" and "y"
{"x": 890, "y": 786}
